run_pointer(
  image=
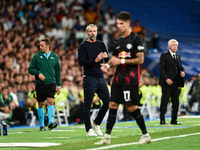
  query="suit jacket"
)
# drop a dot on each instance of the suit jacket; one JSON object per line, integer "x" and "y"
{"x": 167, "y": 69}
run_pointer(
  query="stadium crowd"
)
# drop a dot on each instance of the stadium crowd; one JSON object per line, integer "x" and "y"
{"x": 23, "y": 23}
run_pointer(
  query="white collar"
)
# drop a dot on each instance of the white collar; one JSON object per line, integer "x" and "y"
{"x": 172, "y": 54}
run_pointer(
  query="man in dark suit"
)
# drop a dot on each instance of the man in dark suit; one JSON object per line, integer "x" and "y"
{"x": 171, "y": 77}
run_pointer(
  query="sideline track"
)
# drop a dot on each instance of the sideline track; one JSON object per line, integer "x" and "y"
{"x": 134, "y": 143}
{"x": 72, "y": 124}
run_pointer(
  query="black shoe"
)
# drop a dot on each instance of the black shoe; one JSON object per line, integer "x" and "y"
{"x": 176, "y": 123}
{"x": 162, "y": 122}
{"x": 42, "y": 129}
{"x": 52, "y": 126}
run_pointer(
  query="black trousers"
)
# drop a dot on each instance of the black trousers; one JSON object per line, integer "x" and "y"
{"x": 93, "y": 85}
{"x": 167, "y": 92}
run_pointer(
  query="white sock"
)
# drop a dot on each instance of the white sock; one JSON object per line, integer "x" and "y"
{"x": 107, "y": 135}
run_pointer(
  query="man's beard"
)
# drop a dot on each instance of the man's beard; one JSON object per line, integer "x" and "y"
{"x": 92, "y": 38}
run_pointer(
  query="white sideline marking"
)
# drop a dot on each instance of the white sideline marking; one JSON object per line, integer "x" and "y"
{"x": 102, "y": 137}
{"x": 79, "y": 127}
{"x": 56, "y": 137}
{"x": 28, "y": 144}
{"x": 63, "y": 130}
{"x": 134, "y": 143}
{"x": 117, "y": 130}
{"x": 15, "y": 132}
{"x": 192, "y": 121}
{"x": 196, "y": 116}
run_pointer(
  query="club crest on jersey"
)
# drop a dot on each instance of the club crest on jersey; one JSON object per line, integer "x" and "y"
{"x": 129, "y": 46}
{"x": 124, "y": 54}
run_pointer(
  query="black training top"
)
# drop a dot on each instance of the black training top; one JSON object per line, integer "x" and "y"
{"x": 87, "y": 53}
{"x": 126, "y": 48}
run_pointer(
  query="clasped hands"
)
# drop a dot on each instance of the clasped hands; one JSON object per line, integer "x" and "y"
{"x": 101, "y": 56}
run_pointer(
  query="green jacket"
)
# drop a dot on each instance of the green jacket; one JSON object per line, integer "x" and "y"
{"x": 5, "y": 102}
{"x": 50, "y": 68}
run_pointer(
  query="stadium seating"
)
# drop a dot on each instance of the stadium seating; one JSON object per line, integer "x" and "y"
{"x": 32, "y": 121}
{"x": 169, "y": 19}
{"x": 62, "y": 110}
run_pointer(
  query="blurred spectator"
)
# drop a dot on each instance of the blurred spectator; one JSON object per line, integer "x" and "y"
{"x": 112, "y": 19}
{"x": 90, "y": 15}
{"x": 190, "y": 86}
{"x": 44, "y": 9}
{"x": 18, "y": 78}
{"x": 22, "y": 94}
{"x": 67, "y": 22}
{"x": 99, "y": 10}
{"x": 12, "y": 90}
{"x": 195, "y": 95}
{"x": 76, "y": 6}
{"x": 52, "y": 20}
{"x": 87, "y": 4}
{"x": 10, "y": 22}
{"x": 78, "y": 27}
{"x": 82, "y": 18}
{"x": 8, "y": 106}
{"x": 109, "y": 13}
{"x": 1, "y": 85}
{"x": 31, "y": 101}
{"x": 30, "y": 12}
{"x": 60, "y": 14}
{"x": 37, "y": 6}
{"x": 6, "y": 101}
{"x": 137, "y": 28}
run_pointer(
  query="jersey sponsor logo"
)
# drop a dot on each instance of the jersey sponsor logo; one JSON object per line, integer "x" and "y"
{"x": 51, "y": 58}
{"x": 117, "y": 47}
{"x": 124, "y": 54}
{"x": 129, "y": 46}
{"x": 140, "y": 47}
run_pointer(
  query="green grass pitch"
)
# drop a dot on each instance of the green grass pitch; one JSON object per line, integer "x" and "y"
{"x": 74, "y": 137}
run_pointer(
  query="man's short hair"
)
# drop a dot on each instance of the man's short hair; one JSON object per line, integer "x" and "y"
{"x": 172, "y": 40}
{"x": 47, "y": 41}
{"x": 3, "y": 88}
{"x": 90, "y": 25}
{"x": 124, "y": 16}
